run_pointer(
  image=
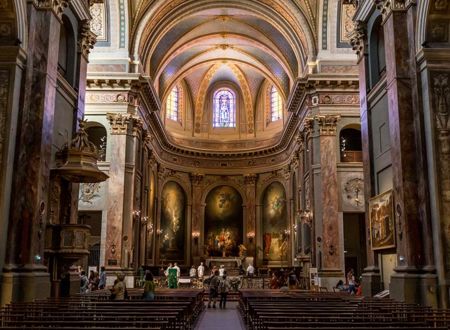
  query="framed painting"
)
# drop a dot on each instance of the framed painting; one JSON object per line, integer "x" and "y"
{"x": 382, "y": 221}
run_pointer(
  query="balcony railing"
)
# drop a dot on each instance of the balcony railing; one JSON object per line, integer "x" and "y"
{"x": 350, "y": 156}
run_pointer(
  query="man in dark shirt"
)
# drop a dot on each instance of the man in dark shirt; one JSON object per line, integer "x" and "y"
{"x": 213, "y": 289}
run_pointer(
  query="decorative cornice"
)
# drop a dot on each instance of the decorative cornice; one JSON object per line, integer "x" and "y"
{"x": 87, "y": 38}
{"x": 57, "y": 6}
{"x": 327, "y": 124}
{"x": 119, "y": 122}
{"x": 358, "y": 38}
{"x": 92, "y": 2}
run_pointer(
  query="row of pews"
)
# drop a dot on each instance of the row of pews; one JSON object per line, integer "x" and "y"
{"x": 171, "y": 309}
{"x": 296, "y": 310}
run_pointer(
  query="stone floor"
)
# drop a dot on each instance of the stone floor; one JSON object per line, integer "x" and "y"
{"x": 221, "y": 319}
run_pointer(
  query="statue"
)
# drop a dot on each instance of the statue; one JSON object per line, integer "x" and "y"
{"x": 242, "y": 251}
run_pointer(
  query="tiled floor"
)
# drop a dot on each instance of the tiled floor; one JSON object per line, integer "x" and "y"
{"x": 221, "y": 319}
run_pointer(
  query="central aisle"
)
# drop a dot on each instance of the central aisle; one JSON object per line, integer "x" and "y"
{"x": 221, "y": 319}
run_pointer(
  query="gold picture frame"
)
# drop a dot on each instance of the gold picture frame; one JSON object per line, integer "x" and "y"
{"x": 382, "y": 221}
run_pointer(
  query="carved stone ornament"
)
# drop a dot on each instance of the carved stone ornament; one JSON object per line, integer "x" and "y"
{"x": 119, "y": 122}
{"x": 92, "y": 2}
{"x": 138, "y": 126}
{"x": 87, "y": 38}
{"x": 197, "y": 178}
{"x": 386, "y": 7}
{"x": 89, "y": 191}
{"x": 327, "y": 124}
{"x": 358, "y": 38}
{"x": 56, "y": 5}
{"x": 250, "y": 179}
{"x": 308, "y": 126}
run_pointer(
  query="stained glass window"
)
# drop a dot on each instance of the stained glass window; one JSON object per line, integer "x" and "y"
{"x": 276, "y": 105}
{"x": 224, "y": 108}
{"x": 172, "y": 104}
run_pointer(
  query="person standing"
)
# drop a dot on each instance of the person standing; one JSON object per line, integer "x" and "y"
{"x": 178, "y": 270}
{"x": 149, "y": 286}
{"x": 351, "y": 281}
{"x": 84, "y": 282}
{"x": 119, "y": 288}
{"x": 102, "y": 279}
{"x": 224, "y": 288}
{"x": 221, "y": 270}
{"x": 167, "y": 270}
{"x": 250, "y": 270}
{"x": 213, "y": 289}
{"x": 201, "y": 271}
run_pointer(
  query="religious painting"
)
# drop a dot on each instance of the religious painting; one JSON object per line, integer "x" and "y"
{"x": 173, "y": 220}
{"x": 382, "y": 223}
{"x": 275, "y": 237}
{"x": 223, "y": 222}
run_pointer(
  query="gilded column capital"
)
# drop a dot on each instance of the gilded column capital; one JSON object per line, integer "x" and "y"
{"x": 87, "y": 38}
{"x": 250, "y": 179}
{"x": 197, "y": 178}
{"x": 327, "y": 124}
{"x": 119, "y": 122}
{"x": 308, "y": 126}
{"x": 295, "y": 162}
{"x": 92, "y": 2}
{"x": 57, "y": 6}
{"x": 358, "y": 38}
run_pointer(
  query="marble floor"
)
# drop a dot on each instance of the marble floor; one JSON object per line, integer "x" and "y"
{"x": 221, "y": 319}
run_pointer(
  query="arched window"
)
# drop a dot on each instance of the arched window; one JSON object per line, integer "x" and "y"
{"x": 224, "y": 108}
{"x": 276, "y": 105}
{"x": 173, "y": 104}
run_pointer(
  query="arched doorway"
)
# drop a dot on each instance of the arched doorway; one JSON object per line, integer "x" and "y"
{"x": 223, "y": 222}
{"x": 173, "y": 223}
{"x": 275, "y": 225}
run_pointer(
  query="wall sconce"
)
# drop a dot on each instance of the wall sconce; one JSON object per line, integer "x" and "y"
{"x": 251, "y": 235}
{"x": 159, "y": 231}
{"x": 307, "y": 216}
{"x": 136, "y": 213}
{"x": 195, "y": 235}
{"x": 294, "y": 227}
{"x": 150, "y": 227}
{"x": 287, "y": 232}
{"x": 113, "y": 249}
{"x": 144, "y": 220}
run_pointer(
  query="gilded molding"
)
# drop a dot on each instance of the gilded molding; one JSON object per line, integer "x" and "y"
{"x": 386, "y": 7}
{"x": 119, "y": 122}
{"x": 87, "y": 38}
{"x": 197, "y": 178}
{"x": 250, "y": 179}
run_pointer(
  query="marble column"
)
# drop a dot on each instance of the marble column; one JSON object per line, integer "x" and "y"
{"x": 332, "y": 267}
{"x": 24, "y": 276}
{"x": 250, "y": 191}
{"x": 116, "y": 192}
{"x": 410, "y": 254}
{"x": 371, "y": 282}
{"x": 196, "y": 208}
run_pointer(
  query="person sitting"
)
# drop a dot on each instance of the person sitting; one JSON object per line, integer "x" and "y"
{"x": 149, "y": 286}
{"x": 339, "y": 286}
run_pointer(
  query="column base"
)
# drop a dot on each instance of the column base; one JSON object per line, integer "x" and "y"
{"x": 24, "y": 286}
{"x": 371, "y": 281}
{"x": 330, "y": 277}
{"x": 414, "y": 288}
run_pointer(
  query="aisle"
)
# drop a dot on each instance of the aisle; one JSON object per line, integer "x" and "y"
{"x": 221, "y": 319}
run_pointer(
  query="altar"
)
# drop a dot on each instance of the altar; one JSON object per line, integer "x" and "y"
{"x": 229, "y": 263}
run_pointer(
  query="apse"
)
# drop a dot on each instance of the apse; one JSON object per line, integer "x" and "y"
{"x": 274, "y": 224}
{"x": 223, "y": 222}
{"x": 173, "y": 223}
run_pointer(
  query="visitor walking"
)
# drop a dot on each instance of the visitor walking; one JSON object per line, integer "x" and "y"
{"x": 102, "y": 279}
{"x": 119, "y": 288}
{"x": 84, "y": 282}
{"x": 224, "y": 288}
{"x": 213, "y": 289}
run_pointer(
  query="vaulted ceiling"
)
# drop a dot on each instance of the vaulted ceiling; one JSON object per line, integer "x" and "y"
{"x": 184, "y": 39}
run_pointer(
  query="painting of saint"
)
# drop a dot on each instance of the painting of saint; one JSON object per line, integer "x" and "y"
{"x": 382, "y": 223}
{"x": 275, "y": 241}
